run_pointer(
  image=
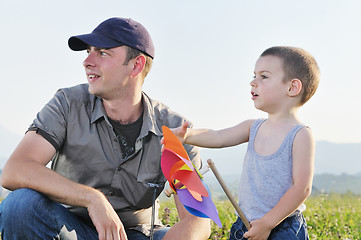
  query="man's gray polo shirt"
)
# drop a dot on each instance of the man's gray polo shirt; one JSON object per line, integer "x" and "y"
{"x": 75, "y": 123}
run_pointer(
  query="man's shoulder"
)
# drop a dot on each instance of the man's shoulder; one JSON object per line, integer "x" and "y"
{"x": 163, "y": 114}
{"x": 78, "y": 93}
{"x": 80, "y": 89}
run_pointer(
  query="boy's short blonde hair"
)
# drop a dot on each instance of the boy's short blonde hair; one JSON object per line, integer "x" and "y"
{"x": 300, "y": 64}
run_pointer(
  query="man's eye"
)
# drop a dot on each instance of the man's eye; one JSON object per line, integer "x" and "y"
{"x": 103, "y": 53}
{"x": 264, "y": 77}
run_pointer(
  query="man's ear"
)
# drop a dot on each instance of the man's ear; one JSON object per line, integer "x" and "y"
{"x": 295, "y": 87}
{"x": 138, "y": 65}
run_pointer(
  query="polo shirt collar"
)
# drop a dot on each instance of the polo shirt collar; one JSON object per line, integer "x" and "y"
{"x": 97, "y": 109}
{"x": 149, "y": 116}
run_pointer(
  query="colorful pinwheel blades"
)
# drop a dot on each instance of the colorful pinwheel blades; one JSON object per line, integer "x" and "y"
{"x": 177, "y": 168}
{"x": 204, "y": 208}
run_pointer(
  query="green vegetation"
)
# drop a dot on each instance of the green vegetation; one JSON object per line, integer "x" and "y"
{"x": 333, "y": 216}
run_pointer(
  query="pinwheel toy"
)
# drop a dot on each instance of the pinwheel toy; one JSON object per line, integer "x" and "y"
{"x": 185, "y": 179}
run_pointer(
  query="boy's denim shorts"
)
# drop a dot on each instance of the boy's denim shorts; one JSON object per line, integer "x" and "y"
{"x": 293, "y": 227}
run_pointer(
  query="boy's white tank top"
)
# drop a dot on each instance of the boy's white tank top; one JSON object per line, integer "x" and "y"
{"x": 265, "y": 179}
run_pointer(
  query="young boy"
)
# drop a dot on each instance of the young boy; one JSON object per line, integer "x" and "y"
{"x": 278, "y": 166}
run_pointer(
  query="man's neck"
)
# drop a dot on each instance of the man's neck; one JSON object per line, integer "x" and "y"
{"x": 124, "y": 111}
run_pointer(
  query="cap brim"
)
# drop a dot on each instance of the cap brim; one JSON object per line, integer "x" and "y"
{"x": 81, "y": 42}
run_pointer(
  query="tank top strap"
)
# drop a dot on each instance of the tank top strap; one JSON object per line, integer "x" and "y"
{"x": 288, "y": 140}
{"x": 254, "y": 129}
{"x": 292, "y": 134}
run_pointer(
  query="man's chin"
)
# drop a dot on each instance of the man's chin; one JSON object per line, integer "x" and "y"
{"x": 93, "y": 91}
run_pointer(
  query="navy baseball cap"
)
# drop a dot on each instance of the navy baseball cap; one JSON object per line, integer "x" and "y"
{"x": 115, "y": 32}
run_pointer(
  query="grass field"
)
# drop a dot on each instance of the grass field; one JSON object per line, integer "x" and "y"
{"x": 332, "y": 216}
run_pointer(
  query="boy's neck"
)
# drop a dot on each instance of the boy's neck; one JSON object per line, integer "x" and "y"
{"x": 284, "y": 117}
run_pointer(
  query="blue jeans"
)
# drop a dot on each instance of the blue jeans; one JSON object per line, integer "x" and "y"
{"x": 27, "y": 214}
{"x": 294, "y": 227}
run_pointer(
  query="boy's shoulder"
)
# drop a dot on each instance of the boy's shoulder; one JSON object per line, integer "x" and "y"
{"x": 304, "y": 135}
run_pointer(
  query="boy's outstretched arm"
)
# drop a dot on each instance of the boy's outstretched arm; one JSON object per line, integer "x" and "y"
{"x": 214, "y": 138}
{"x": 302, "y": 174}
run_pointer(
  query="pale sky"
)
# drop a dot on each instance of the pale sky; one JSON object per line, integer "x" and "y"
{"x": 204, "y": 60}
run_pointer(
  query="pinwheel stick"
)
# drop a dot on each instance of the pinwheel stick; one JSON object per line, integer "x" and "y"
{"x": 228, "y": 193}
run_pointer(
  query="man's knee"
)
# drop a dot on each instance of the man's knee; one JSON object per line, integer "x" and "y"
{"x": 20, "y": 211}
{"x": 21, "y": 201}
{"x": 21, "y": 206}
{"x": 25, "y": 212}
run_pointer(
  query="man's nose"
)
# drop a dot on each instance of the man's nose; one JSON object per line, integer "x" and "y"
{"x": 89, "y": 60}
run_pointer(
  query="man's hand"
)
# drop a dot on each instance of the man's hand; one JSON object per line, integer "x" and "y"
{"x": 105, "y": 219}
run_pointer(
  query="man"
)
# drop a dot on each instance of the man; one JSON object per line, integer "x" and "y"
{"x": 103, "y": 139}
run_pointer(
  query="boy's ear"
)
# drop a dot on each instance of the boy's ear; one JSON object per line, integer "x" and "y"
{"x": 138, "y": 65}
{"x": 295, "y": 87}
